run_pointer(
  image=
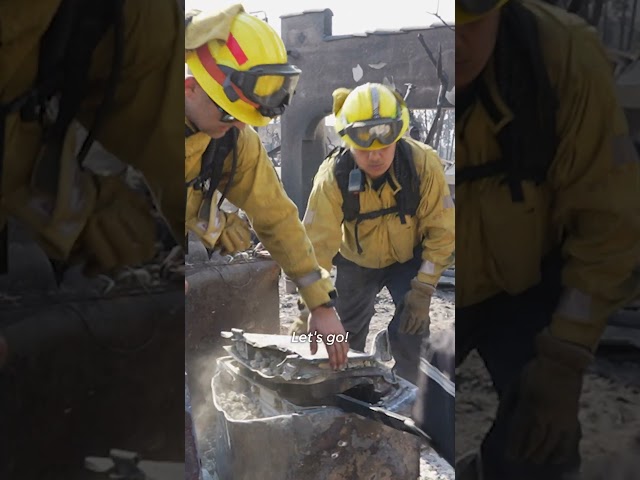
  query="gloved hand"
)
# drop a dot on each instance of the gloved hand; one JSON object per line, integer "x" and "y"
{"x": 120, "y": 231}
{"x": 300, "y": 324}
{"x": 545, "y": 425}
{"x": 415, "y": 316}
{"x": 236, "y": 236}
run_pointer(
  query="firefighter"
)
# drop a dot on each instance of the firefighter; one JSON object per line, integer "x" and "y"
{"x": 60, "y": 65}
{"x": 547, "y": 187}
{"x": 380, "y": 210}
{"x": 241, "y": 78}
{"x": 89, "y": 66}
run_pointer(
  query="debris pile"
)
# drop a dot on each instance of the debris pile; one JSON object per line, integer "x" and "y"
{"x": 240, "y": 405}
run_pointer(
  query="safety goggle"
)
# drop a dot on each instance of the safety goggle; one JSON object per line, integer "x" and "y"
{"x": 476, "y": 7}
{"x": 224, "y": 116}
{"x": 252, "y": 81}
{"x": 364, "y": 133}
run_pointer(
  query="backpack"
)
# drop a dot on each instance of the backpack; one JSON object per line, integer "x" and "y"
{"x": 407, "y": 198}
{"x": 63, "y": 68}
{"x": 528, "y": 143}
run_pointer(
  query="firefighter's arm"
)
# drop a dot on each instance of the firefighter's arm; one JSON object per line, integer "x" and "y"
{"x": 436, "y": 221}
{"x": 258, "y": 191}
{"x": 595, "y": 178}
{"x": 141, "y": 126}
{"x": 323, "y": 218}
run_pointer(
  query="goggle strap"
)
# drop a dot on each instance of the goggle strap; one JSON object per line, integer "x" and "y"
{"x": 260, "y": 107}
{"x": 227, "y": 86}
{"x": 210, "y": 65}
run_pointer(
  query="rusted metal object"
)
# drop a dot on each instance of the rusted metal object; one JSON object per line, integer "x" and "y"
{"x": 272, "y": 421}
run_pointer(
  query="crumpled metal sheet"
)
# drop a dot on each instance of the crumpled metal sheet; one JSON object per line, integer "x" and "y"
{"x": 315, "y": 443}
{"x": 277, "y": 358}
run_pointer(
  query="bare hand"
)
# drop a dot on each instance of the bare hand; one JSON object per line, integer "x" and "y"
{"x": 323, "y": 322}
{"x": 186, "y": 286}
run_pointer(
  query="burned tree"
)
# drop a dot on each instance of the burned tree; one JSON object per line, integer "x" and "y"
{"x": 444, "y": 86}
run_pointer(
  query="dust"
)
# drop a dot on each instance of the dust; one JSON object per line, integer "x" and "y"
{"x": 432, "y": 466}
{"x": 243, "y": 406}
{"x": 200, "y": 373}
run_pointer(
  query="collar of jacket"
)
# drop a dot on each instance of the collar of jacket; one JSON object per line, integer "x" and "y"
{"x": 498, "y": 113}
{"x": 388, "y": 175}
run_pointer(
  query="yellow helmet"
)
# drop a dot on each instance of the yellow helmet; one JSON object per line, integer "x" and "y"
{"x": 468, "y": 11}
{"x": 370, "y": 117}
{"x": 247, "y": 75}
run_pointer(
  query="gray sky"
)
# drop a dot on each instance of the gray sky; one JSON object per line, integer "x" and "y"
{"x": 348, "y": 16}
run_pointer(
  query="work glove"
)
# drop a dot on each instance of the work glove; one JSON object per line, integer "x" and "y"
{"x": 301, "y": 324}
{"x": 414, "y": 318}
{"x": 236, "y": 234}
{"x": 121, "y": 230}
{"x": 544, "y": 426}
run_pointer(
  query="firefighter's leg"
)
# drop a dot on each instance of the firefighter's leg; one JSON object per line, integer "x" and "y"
{"x": 357, "y": 288}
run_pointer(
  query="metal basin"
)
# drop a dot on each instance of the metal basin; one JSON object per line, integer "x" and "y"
{"x": 272, "y": 419}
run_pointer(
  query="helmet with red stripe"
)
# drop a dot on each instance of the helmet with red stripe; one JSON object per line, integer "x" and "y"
{"x": 248, "y": 74}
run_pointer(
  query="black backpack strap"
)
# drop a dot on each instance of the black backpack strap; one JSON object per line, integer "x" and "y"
{"x": 188, "y": 131}
{"x": 529, "y": 142}
{"x": 475, "y": 172}
{"x": 407, "y": 156}
{"x": 369, "y": 216}
{"x": 408, "y": 198}
{"x": 343, "y": 166}
{"x": 113, "y": 15}
{"x": 212, "y": 165}
{"x": 490, "y": 169}
{"x": 66, "y": 50}
{"x": 229, "y": 144}
{"x": 65, "y": 59}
